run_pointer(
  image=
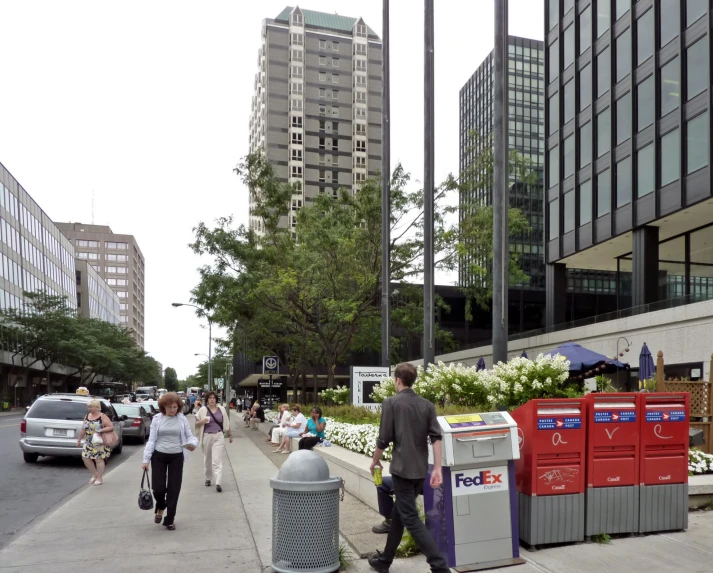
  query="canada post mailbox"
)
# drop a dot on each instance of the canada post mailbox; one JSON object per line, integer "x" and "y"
{"x": 550, "y": 470}
{"x": 473, "y": 517}
{"x": 612, "y": 468}
{"x": 664, "y": 422}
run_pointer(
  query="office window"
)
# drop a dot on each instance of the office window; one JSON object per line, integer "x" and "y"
{"x": 296, "y": 171}
{"x": 323, "y": 44}
{"x": 297, "y": 121}
{"x": 554, "y": 61}
{"x": 697, "y": 143}
{"x": 554, "y": 113}
{"x": 694, "y": 10}
{"x": 697, "y": 68}
{"x": 585, "y": 87}
{"x": 622, "y": 7}
{"x": 603, "y": 72}
{"x": 297, "y": 138}
{"x": 603, "y": 193}
{"x": 335, "y": 95}
{"x": 335, "y": 46}
{"x": 554, "y": 13}
{"x": 603, "y": 132}
{"x": 670, "y": 87}
{"x": 569, "y": 212}
{"x": 623, "y": 182}
{"x": 296, "y": 155}
{"x": 645, "y": 171}
{"x": 335, "y": 78}
{"x": 569, "y": 156}
{"x": 568, "y": 5}
{"x": 323, "y": 60}
{"x": 585, "y": 144}
{"x": 670, "y": 16}
{"x": 568, "y": 101}
{"x": 335, "y": 62}
{"x": 645, "y": 103}
{"x": 645, "y": 37}
{"x": 623, "y": 55}
{"x": 335, "y": 112}
{"x": 554, "y": 166}
{"x": 603, "y": 17}
{"x": 670, "y": 157}
{"x": 623, "y": 118}
{"x": 585, "y": 202}
{"x": 322, "y": 76}
{"x": 297, "y": 38}
{"x": 585, "y": 29}
{"x": 569, "y": 46}
{"x": 554, "y": 219}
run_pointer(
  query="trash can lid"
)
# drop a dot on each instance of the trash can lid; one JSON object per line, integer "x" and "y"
{"x": 304, "y": 466}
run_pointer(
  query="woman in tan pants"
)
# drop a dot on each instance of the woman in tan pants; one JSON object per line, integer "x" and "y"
{"x": 212, "y": 423}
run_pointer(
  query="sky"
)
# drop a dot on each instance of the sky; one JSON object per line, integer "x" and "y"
{"x": 133, "y": 114}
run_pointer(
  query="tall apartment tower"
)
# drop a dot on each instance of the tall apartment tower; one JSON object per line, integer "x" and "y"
{"x": 526, "y": 134}
{"x": 316, "y": 112}
{"x": 118, "y": 260}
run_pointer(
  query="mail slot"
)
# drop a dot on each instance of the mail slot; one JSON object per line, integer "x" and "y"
{"x": 613, "y": 445}
{"x": 550, "y": 472}
{"x": 664, "y": 424}
{"x": 478, "y": 480}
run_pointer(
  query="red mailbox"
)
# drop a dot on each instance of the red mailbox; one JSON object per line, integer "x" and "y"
{"x": 552, "y": 436}
{"x": 613, "y": 447}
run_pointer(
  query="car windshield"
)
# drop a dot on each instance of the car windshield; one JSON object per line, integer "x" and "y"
{"x": 58, "y": 410}
{"x": 123, "y": 409}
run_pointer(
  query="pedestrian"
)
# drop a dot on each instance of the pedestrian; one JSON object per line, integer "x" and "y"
{"x": 167, "y": 449}
{"x": 385, "y": 498}
{"x": 93, "y": 455}
{"x": 212, "y": 422}
{"x": 258, "y": 416}
{"x": 408, "y": 421}
{"x": 295, "y": 428}
{"x": 314, "y": 433}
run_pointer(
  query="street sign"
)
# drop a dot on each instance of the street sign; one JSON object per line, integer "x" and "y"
{"x": 270, "y": 365}
{"x": 364, "y": 378}
{"x": 219, "y": 381}
{"x": 266, "y": 384}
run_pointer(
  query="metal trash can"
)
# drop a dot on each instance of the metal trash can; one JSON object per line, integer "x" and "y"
{"x": 305, "y": 498}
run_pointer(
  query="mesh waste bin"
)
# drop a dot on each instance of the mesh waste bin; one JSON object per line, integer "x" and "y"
{"x": 305, "y": 498}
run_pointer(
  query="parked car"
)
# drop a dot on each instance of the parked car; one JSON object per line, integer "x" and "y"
{"x": 138, "y": 424}
{"x": 51, "y": 426}
{"x": 143, "y": 397}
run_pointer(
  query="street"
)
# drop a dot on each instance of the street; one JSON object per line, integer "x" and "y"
{"x": 29, "y": 490}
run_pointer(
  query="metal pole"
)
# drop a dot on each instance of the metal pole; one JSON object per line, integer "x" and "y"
{"x": 270, "y": 400}
{"x": 385, "y": 195}
{"x": 429, "y": 349}
{"x": 210, "y": 350}
{"x": 500, "y": 185}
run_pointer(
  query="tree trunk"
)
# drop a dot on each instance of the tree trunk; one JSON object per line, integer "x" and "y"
{"x": 316, "y": 382}
{"x": 295, "y": 377}
{"x": 304, "y": 387}
{"x": 330, "y": 373}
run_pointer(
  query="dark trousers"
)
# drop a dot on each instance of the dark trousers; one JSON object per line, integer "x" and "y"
{"x": 405, "y": 514}
{"x": 384, "y": 495}
{"x": 167, "y": 474}
{"x": 308, "y": 443}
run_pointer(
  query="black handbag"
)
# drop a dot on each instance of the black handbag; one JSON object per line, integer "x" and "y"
{"x": 145, "y": 497}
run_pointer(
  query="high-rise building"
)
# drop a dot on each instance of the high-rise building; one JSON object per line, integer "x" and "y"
{"x": 118, "y": 260}
{"x": 526, "y": 132}
{"x": 628, "y": 141}
{"x": 95, "y": 298}
{"x": 316, "y": 112}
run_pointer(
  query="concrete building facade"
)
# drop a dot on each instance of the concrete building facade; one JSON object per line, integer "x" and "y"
{"x": 118, "y": 260}
{"x": 95, "y": 298}
{"x": 316, "y": 111}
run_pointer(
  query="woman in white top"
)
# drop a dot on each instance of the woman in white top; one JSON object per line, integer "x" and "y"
{"x": 280, "y": 430}
{"x": 165, "y": 450}
{"x": 211, "y": 422}
{"x": 294, "y": 428}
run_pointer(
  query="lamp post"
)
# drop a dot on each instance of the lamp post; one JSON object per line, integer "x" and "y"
{"x": 203, "y": 312}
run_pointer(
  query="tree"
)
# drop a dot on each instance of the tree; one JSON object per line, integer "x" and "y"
{"x": 170, "y": 380}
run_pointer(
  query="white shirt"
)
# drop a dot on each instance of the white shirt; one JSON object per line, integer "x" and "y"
{"x": 301, "y": 420}
{"x": 285, "y": 418}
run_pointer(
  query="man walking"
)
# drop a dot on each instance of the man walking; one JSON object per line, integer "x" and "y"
{"x": 409, "y": 421}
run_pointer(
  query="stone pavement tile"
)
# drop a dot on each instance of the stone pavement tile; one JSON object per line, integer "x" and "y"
{"x": 699, "y": 535}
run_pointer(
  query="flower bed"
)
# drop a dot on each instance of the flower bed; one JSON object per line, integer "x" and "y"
{"x": 699, "y": 463}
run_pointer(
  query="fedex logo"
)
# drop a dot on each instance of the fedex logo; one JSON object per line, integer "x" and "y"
{"x": 481, "y": 480}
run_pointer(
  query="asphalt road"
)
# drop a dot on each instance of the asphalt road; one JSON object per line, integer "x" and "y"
{"x": 29, "y": 490}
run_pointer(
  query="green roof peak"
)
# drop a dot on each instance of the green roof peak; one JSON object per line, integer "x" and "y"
{"x": 324, "y": 20}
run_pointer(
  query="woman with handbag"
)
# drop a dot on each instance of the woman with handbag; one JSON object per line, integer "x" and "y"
{"x": 94, "y": 450}
{"x": 212, "y": 423}
{"x": 165, "y": 450}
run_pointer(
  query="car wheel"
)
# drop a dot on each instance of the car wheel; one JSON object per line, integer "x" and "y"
{"x": 30, "y": 458}
{"x": 117, "y": 449}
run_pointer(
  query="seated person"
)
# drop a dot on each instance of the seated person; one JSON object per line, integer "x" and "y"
{"x": 314, "y": 432}
{"x": 295, "y": 428}
{"x": 384, "y": 494}
{"x": 258, "y": 416}
{"x": 278, "y": 431}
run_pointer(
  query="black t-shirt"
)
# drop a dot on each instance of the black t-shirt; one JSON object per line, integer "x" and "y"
{"x": 260, "y": 414}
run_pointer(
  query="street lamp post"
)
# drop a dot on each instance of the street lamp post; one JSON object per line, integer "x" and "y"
{"x": 210, "y": 338}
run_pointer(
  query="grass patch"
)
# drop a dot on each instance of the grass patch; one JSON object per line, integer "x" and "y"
{"x": 346, "y": 557}
{"x": 602, "y": 538}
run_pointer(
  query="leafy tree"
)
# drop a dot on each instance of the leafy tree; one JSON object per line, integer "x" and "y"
{"x": 170, "y": 380}
{"x": 219, "y": 364}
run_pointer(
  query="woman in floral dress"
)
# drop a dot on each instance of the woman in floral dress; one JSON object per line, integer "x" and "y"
{"x": 93, "y": 455}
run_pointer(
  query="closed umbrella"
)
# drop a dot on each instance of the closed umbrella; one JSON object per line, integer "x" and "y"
{"x": 481, "y": 364}
{"x": 524, "y": 354}
{"x": 646, "y": 364}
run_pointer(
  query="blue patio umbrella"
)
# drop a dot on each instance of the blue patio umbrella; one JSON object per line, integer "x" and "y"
{"x": 646, "y": 364}
{"x": 524, "y": 354}
{"x": 481, "y": 364}
{"x": 583, "y": 360}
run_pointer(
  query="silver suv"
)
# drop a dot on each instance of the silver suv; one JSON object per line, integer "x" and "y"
{"x": 53, "y": 422}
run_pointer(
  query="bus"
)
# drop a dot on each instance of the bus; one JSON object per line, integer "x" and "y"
{"x": 152, "y": 391}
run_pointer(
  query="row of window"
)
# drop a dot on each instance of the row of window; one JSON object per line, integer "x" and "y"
{"x": 107, "y": 256}
{"x": 30, "y": 222}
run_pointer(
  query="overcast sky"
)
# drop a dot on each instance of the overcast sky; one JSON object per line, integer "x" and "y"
{"x": 145, "y": 106}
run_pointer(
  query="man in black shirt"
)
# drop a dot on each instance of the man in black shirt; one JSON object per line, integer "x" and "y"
{"x": 409, "y": 421}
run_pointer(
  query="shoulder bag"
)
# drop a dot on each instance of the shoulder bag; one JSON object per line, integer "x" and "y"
{"x": 145, "y": 497}
{"x": 110, "y": 438}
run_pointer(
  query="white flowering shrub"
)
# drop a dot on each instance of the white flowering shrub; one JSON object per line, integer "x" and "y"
{"x": 339, "y": 395}
{"x": 271, "y": 416}
{"x": 384, "y": 389}
{"x": 699, "y": 463}
{"x": 360, "y": 438}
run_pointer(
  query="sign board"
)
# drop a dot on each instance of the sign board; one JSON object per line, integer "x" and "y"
{"x": 266, "y": 383}
{"x": 481, "y": 480}
{"x": 364, "y": 378}
{"x": 270, "y": 365}
{"x": 219, "y": 383}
